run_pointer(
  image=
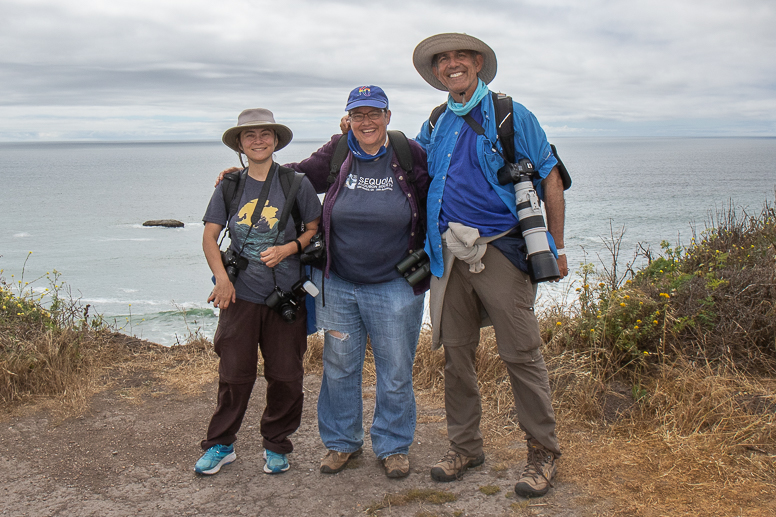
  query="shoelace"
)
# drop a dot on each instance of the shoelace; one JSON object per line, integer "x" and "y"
{"x": 456, "y": 458}
{"x": 536, "y": 460}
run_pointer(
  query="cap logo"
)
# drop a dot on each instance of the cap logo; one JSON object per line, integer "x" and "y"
{"x": 365, "y": 91}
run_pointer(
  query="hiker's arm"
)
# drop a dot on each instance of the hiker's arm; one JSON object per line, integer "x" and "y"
{"x": 555, "y": 205}
{"x": 223, "y": 293}
{"x": 224, "y": 173}
{"x": 316, "y": 167}
{"x": 275, "y": 255}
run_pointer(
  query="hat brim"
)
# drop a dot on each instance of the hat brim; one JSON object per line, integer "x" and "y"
{"x": 369, "y": 103}
{"x": 284, "y": 134}
{"x": 429, "y": 47}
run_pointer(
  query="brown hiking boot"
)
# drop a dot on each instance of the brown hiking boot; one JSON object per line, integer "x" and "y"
{"x": 539, "y": 470}
{"x": 453, "y": 465}
{"x": 335, "y": 461}
{"x": 397, "y": 466}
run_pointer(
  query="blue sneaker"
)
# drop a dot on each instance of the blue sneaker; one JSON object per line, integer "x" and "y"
{"x": 276, "y": 463}
{"x": 214, "y": 458}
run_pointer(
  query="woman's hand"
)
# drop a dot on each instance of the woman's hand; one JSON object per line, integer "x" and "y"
{"x": 224, "y": 173}
{"x": 223, "y": 294}
{"x": 275, "y": 255}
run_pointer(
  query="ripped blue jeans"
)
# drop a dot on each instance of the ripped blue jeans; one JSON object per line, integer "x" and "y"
{"x": 391, "y": 315}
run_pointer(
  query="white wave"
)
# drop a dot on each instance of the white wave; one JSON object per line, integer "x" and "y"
{"x": 125, "y": 301}
{"x": 116, "y": 239}
{"x": 125, "y": 290}
{"x": 21, "y": 235}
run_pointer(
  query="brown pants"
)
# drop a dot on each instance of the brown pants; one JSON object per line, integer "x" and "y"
{"x": 507, "y": 295}
{"x": 243, "y": 329}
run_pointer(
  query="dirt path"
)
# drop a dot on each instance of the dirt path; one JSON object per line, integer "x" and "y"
{"x": 132, "y": 453}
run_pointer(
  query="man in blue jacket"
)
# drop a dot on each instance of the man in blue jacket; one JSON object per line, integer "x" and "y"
{"x": 478, "y": 258}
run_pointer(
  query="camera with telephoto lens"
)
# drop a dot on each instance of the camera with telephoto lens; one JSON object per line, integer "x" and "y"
{"x": 542, "y": 265}
{"x": 286, "y": 303}
{"x": 415, "y": 267}
{"x": 315, "y": 252}
{"x": 233, "y": 263}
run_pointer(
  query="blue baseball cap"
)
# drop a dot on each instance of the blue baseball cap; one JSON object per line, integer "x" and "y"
{"x": 373, "y": 96}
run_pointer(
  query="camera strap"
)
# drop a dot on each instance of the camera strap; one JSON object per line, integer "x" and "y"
{"x": 288, "y": 206}
{"x": 481, "y": 131}
{"x": 260, "y": 202}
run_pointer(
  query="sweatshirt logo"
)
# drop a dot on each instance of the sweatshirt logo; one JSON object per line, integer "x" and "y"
{"x": 375, "y": 184}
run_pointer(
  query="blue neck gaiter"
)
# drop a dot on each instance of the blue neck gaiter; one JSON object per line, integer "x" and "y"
{"x": 359, "y": 153}
{"x": 460, "y": 109}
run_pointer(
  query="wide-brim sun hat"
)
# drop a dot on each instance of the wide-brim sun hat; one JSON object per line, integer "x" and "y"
{"x": 255, "y": 118}
{"x": 429, "y": 47}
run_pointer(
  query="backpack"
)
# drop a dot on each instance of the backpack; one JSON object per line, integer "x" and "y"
{"x": 503, "y": 107}
{"x": 400, "y": 146}
{"x": 290, "y": 181}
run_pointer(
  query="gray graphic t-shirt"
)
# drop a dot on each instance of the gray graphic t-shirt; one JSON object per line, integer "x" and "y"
{"x": 371, "y": 222}
{"x": 255, "y": 283}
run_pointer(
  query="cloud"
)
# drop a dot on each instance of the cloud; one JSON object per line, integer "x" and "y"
{"x": 169, "y": 69}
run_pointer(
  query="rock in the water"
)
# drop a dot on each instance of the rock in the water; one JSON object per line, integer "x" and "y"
{"x": 167, "y": 223}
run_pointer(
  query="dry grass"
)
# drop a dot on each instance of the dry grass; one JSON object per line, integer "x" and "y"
{"x": 187, "y": 368}
{"x": 58, "y": 356}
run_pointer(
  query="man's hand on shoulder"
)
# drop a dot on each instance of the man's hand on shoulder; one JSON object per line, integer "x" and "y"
{"x": 345, "y": 124}
{"x": 224, "y": 173}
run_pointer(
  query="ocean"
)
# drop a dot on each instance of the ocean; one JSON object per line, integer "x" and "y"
{"x": 79, "y": 208}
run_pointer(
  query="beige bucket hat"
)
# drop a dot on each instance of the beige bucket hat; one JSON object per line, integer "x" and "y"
{"x": 255, "y": 118}
{"x": 429, "y": 47}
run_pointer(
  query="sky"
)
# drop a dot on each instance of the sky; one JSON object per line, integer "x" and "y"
{"x": 95, "y": 70}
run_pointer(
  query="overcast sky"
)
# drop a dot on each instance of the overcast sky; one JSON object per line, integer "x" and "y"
{"x": 174, "y": 69}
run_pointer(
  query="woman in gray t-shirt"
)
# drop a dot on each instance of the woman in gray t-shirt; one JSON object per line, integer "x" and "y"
{"x": 253, "y": 290}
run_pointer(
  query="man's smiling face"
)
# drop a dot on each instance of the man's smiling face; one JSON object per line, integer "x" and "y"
{"x": 457, "y": 70}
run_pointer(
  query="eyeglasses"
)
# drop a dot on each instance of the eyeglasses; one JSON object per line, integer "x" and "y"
{"x": 373, "y": 116}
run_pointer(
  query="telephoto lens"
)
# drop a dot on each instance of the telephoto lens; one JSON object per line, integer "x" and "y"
{"x": 541, "y": 261}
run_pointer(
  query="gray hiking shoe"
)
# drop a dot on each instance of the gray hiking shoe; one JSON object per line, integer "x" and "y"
{"x": 453, "y": 465}
{"x": 335, "y": 461}
{"x": 539, "y": 470}
{"x": 397, "y": 466}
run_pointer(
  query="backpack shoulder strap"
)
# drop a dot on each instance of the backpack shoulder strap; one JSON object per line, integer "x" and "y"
{"x": 564, "y": 173}
{"x": 290, "y": 181}
{"x": 337, "y": 159}
{"x": 434, "y": 117}
{"x": 502, "y": 105}
{"x": 233, "y": 185}
{"x": 506, "y": 133}
{"x": 401, "y": 147}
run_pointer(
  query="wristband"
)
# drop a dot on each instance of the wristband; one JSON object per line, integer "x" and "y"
{"x": 298, "y": 246}
{"x": 561, "y": 251}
